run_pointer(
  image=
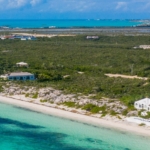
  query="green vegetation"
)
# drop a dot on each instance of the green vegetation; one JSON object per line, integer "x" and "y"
{"x": 50, "y": 59}
{"x": 125, "y": 112}
{"x": 27, "y": 95}
{"x": 145, "y": 117}
{"x": 35, "y": 95}
{"x": 148, "y": 115}
{"x": 43, "y": 101}
{"x": 70, "y": 104}
{"x": 1, "y": 89}
{"x": 142, "y": 124}
{"x": 94, "y": 109}
{"x": 119, "y": 117}
{"x": 113, "y": 113}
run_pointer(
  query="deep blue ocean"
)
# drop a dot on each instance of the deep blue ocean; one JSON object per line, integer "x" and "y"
{"x": 22, "y": 129}
{"x": 89, "y": 23}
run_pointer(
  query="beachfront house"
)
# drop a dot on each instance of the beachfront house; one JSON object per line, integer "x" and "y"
{"x": 21, "y": 76}
{"x": 143, "y": 104}
{"x": 21, "y": 64}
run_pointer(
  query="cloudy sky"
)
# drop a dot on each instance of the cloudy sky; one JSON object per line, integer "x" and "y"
{"x": 74, "y": 9}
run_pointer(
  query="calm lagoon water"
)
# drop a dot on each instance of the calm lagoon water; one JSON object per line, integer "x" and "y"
{"x": 68, "y": 23}
{"x": 22, "y": 129}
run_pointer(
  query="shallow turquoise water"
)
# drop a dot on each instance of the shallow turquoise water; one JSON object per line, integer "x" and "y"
{"x": 22, "y": 129}
{"x": 68, "y": 23}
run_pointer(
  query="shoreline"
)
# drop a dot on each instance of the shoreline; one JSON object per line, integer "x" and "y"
{"x": 103, "y": 30}
{"x": 122, "y": 126}
{"x": 43, "y": 35}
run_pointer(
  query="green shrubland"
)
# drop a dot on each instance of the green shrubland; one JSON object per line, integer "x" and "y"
{"x": 70, "y": 104}
{"x": 50, "y": 59}
{"x": 94, "y": 109}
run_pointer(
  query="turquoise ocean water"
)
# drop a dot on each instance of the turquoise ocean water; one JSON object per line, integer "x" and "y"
{"x": 68, "y": 23}
{"x": 22, "y": 129}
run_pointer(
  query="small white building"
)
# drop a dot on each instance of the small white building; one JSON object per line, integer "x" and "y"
{"x": 143, "y": 104}
{"x": 4, "y": 77}
{"x": 21, "y": 64}
{"x": 92, "y": 37}
{"x": 2, "y": 37}
{"x": 23, "y": 39}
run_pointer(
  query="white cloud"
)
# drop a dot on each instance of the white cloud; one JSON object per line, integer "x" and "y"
{"x": 121, "y": 5}
{"x": 16, "y": 3}
{"x": 73, "y": 5}
{"x": 34, "y": 2}
{"x": 147, "y": 6}
{"x": 64, "y": 6}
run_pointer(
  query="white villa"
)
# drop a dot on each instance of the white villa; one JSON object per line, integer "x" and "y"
{"x": 21, "y": 64}
{"x": 143, "y": 104}
{"x": 22, "y": 76}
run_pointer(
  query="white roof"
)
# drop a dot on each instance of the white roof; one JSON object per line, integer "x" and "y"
{"x": 93, "y": 36}
{"x": 145, "y": 101}
{"x": 20, "y": 74}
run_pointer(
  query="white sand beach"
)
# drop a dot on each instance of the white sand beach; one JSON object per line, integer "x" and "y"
{"x": 118, "y": 125}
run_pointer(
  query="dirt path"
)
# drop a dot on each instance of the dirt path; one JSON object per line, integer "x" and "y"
{"x": 126, "y": 76}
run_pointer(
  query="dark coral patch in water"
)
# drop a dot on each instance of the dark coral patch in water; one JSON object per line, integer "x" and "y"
{"x": 43, "y": 140}
{"x": 5, "y": 121}
{"x": 93, "y": 140}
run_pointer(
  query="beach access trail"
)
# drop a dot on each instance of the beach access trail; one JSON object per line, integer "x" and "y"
{"x": 101, "y": 122}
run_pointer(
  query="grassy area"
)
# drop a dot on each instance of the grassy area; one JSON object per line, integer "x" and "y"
{"x": 35, "y": 95}
{"x": 43, "y": 101}
{"x": 70, "y": 104}
{"x": 94, "y": 109}
{"x": 52, "y": 59}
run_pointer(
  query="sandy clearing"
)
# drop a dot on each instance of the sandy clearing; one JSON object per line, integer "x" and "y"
{"x": 42, "y": 35}
{"x": 126, "y": 76}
